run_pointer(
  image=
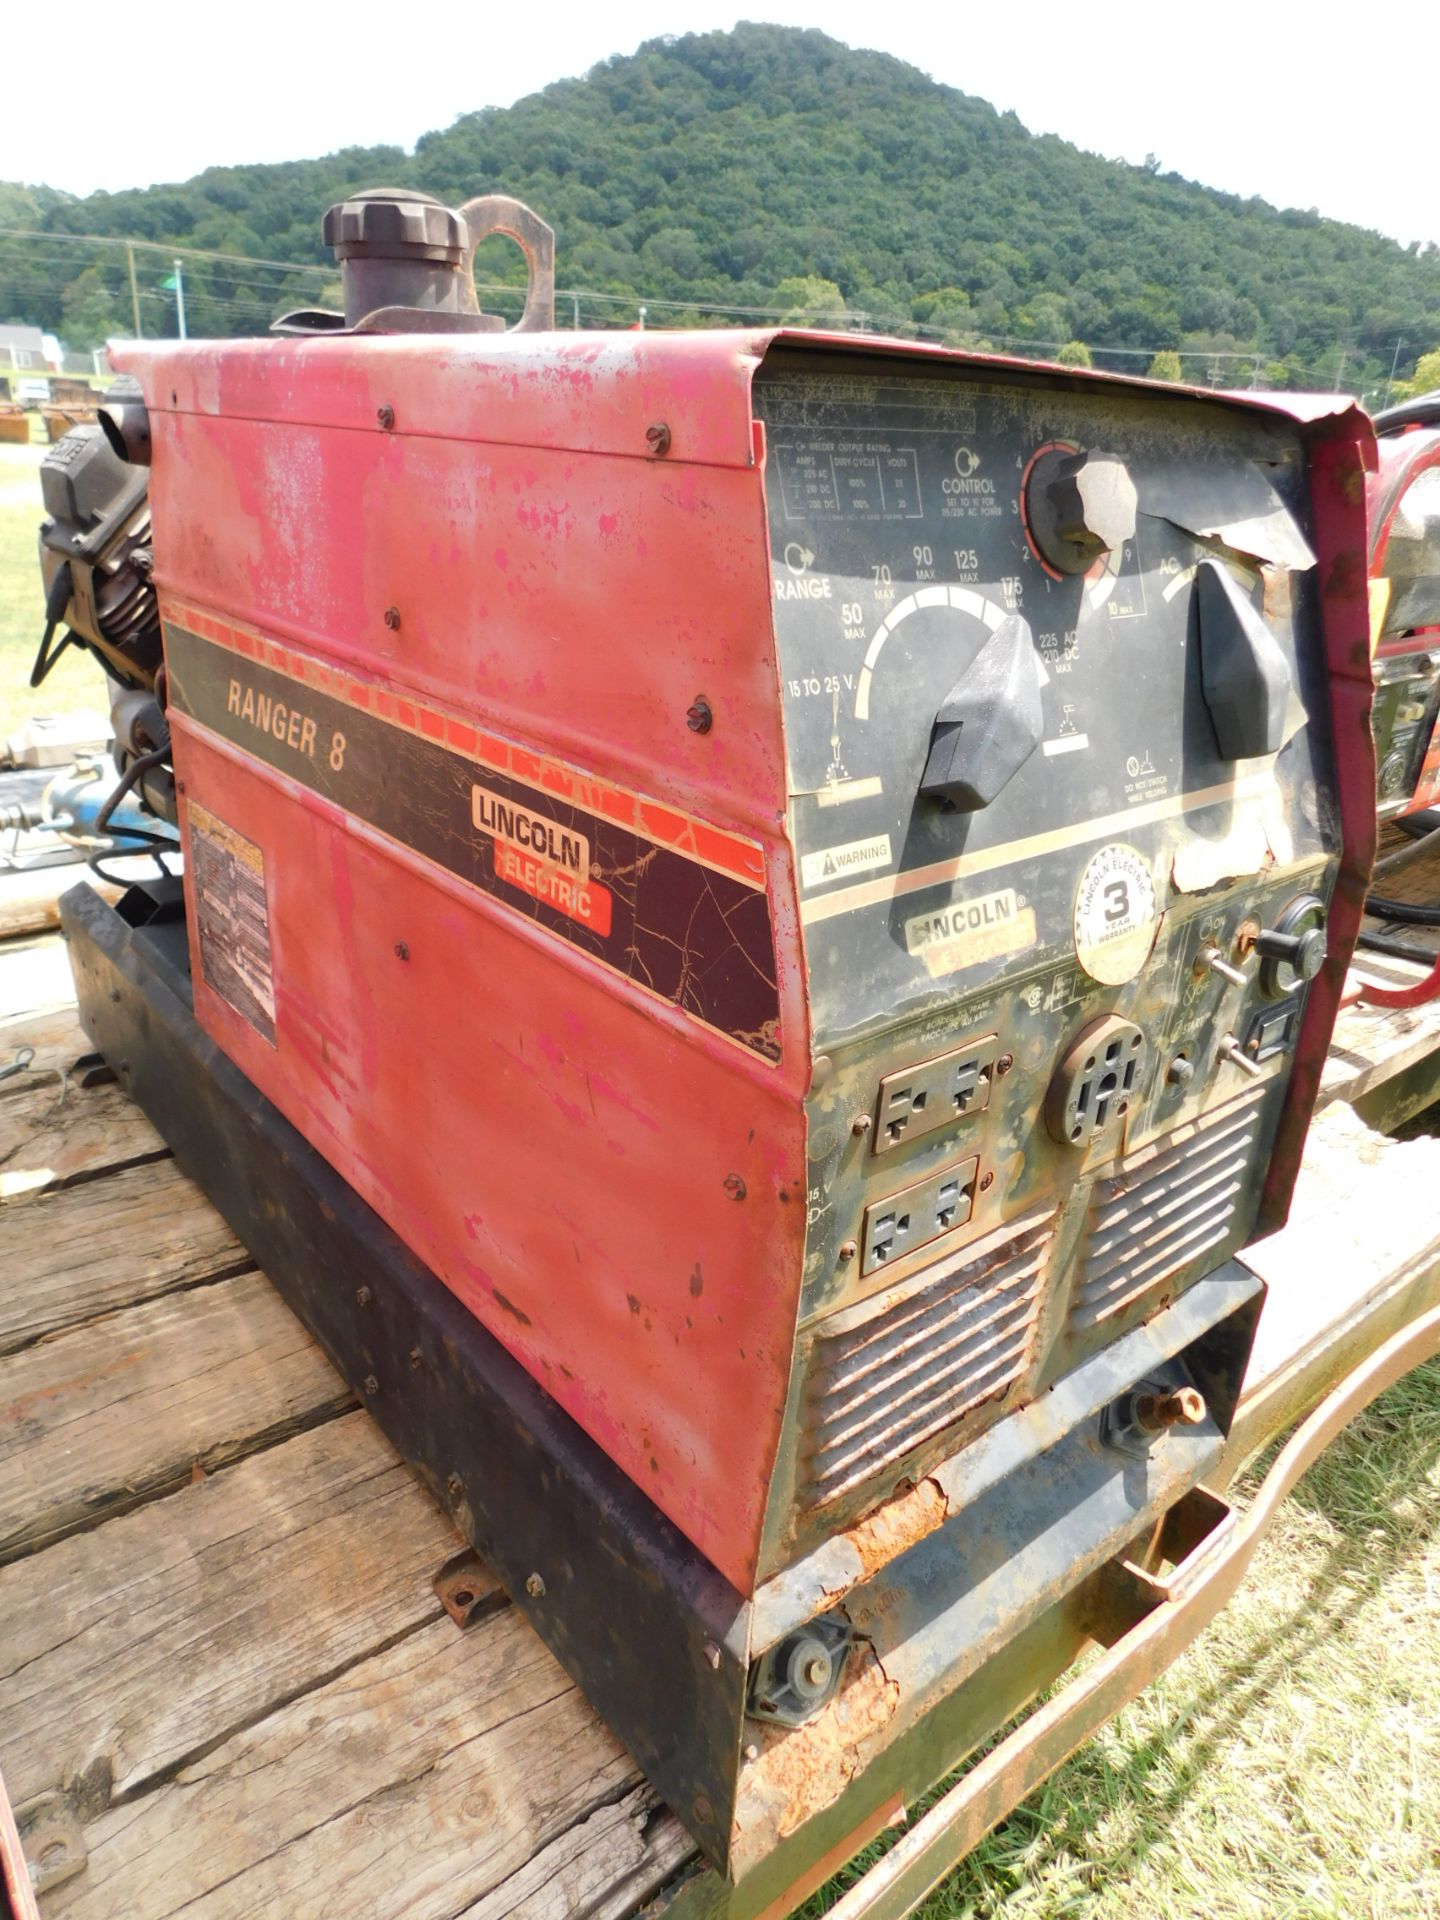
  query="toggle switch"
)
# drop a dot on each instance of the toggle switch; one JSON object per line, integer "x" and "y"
{"x": 1231, "y": 1050}
{"x": 1211, "y": 959}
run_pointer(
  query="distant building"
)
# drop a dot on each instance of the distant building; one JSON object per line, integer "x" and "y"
{"x": 22, "y": 347}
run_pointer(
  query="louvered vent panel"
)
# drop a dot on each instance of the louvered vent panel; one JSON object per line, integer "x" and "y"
{"x": 878, "y": 1389}
{"x": 1181, "y": 1202}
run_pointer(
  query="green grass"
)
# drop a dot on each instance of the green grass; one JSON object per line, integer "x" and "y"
{"x": 76, "y": 682}
{"x": 1288, "y": 1766}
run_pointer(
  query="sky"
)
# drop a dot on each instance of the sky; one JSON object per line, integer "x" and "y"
{"x": 1269, "y": 99}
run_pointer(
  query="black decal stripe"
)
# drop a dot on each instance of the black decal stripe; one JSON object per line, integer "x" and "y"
{"x": 694, "y": 936}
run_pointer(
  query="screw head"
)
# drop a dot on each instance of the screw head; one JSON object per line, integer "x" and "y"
{"x": 535, "y": 1586}
{"x": 417, "y": 1359}
{"x": 734, "y": 1186}
{"x": 701, "y": 1808}
{"x": 848, "y": 1250}
{"x": 386, "y": 417}
{"x": 402, "y": 950}
{"x": 698, "y": 715}
{"x": 392, "y": 619}
{"x": 454, "y": 1486}
{"x": 987, "y": 1180}
{"x": 372, "y": 1385}
{"x": 1004, "y": 1064}
{"x": 657, "y": 438}
{"x": 363, "y": 1296}
{"x": 860, "y": 1125}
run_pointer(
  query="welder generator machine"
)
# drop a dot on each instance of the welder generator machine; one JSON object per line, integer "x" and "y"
{"x": 761, "y": 915}
{"x": 1404, "y": 501}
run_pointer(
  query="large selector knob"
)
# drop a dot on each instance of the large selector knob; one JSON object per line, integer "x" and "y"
{"x": 989, "y": 723}
{"x": 1293, "y": 950}
{"x": 1078, "y": 505}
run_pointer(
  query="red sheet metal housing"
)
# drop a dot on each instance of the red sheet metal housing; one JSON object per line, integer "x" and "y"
{"x": 511, "y": 549}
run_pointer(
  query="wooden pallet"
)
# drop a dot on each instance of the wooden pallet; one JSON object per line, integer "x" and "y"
{"x": 227, "y": 1684}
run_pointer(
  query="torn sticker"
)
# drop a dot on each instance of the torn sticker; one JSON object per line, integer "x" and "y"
{"x": 963, "y": 933}
{"x": 232, "y": 919}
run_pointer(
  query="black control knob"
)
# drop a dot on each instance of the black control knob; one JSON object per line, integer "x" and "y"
{"x": 1078, "y": 505}
{"x": 1244, "y": 675}
{"x": 1292, "y": 952}
{"x": 989, "y": 723}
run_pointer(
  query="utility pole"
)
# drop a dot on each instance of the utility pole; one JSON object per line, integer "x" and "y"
{"x": 180, "y": 297}
{"x": 134, "y": 291}
{"x": 1394, "y": 363}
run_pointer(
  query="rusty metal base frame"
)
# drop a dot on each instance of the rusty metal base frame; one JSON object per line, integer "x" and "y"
{"x": 1050, "y": 1546}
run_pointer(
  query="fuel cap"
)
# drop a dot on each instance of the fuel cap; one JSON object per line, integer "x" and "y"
{"x": 394, "y": 223}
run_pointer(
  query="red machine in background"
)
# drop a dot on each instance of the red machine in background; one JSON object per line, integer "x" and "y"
{"x": 807, "y": 880}
{"x": 1404, "y": 508}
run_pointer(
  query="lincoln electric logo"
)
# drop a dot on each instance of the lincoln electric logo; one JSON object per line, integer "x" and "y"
{"x": 559, "y": 846}
{"x": 549, "y": 862}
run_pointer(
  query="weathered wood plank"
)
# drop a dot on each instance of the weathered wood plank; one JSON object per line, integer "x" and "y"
{"x": 34, "y": 976}
{"x": 105, "y": 1416}
{"x": 56, "y": 1039}
{"x": 604, "y": 1867}
{"x": 31, "y": 901}
{"x": 52, "y": 1135}
{"x": 127, "y": 1650}
{"x": 1372, "y": 1044}
{"x": 1364, "y": 1211}
{"x": 75, "y": 1252}
{"x": 413, "y": 1784}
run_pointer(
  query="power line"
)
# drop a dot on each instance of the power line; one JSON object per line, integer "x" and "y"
{"x": 900, "y": 325}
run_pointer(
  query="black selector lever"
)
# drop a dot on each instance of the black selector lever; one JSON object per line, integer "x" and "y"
{"x": 1293, "y": 950}
{"x": 1244, "y": 675}
{"x": 989, "y": 723}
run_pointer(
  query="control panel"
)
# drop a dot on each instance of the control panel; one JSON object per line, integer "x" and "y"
{"x": 1062, "y": 801}
{"x": 1039, "y": 668}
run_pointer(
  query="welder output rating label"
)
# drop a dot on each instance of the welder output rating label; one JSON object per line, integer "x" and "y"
{"x": 232, "y": 919}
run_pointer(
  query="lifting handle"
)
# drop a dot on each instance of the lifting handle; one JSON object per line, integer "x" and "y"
{"x": 498, "y": 213}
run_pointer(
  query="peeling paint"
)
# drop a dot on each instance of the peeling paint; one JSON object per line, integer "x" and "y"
{"x": 802, "y": 1771}
{"x": 892, "y": 1529}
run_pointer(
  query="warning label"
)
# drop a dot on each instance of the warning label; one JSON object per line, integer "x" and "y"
{"x": 834, "y": 863}
{"x": 232, "y": 919}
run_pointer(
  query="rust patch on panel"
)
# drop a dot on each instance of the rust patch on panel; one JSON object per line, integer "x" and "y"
{"x": 803, "y": 1770}
{"x": 894, "y": 1528}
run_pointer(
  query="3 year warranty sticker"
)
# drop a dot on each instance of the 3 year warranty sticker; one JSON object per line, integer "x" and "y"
{"x": 1115, "y": 915}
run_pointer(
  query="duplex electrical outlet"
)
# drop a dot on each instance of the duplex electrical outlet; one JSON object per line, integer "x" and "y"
{"x": 934, "y": 1093}
{"x": 918, "y": 1214}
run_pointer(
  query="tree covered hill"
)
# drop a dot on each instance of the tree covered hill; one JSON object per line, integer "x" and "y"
{"x": 775, "y": 169}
